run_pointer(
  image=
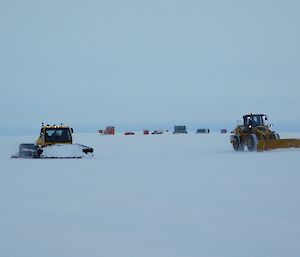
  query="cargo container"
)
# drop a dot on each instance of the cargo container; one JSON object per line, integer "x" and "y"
{"x": 179, "y": 130}
{"x": 110, "y": 130}
{"x": 202, "y": 131}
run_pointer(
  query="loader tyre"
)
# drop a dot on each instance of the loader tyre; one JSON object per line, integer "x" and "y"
{"x": 237, "y": 144}
{"x": 252, "y": 142}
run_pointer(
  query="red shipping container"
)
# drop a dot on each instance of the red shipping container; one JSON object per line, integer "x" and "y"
{"x": 109, "y": 131}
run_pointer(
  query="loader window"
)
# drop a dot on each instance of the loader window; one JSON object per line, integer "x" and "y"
{"x": 254, "y": 120}
{"x": 257, "y": 121}
{"x": 58, "y": 135}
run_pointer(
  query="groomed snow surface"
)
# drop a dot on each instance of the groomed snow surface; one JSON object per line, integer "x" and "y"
{"x": 151, "y": 196}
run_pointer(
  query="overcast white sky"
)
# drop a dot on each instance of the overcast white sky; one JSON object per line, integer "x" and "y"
{"x": 141, "y": 62}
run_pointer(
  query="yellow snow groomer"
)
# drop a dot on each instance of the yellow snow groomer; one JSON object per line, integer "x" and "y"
{"x": 55, "y": 141}
{"x": 257, "y": 135}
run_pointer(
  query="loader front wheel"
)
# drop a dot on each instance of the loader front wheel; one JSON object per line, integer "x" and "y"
{"x": 252, "y": 142}
{"x": 237, "y": 144}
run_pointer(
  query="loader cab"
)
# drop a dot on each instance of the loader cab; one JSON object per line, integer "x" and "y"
{"x": 254, "y": 120}
{"x": 55, "y": 135}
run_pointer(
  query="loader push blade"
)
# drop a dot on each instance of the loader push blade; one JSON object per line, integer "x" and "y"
{"x": 277, "y": 144}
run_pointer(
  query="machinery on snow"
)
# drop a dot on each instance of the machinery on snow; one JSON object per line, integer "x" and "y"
{"x": 258, "y": 136}
{"x": 55, "y": 141}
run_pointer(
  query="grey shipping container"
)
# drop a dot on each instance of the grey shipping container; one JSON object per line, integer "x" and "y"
{"x": 180, "y": 130}
{"x": 203, "y": 131}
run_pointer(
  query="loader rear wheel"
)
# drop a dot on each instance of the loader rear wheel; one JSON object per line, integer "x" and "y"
{"x": 252, "y": 142}
{"x": 237, "y": 144}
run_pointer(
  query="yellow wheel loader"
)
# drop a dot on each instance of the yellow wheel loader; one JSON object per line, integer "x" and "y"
{"x": 55, "y": 141}
{"x": 256, "y": 135}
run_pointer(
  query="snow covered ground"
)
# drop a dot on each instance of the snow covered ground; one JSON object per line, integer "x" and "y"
{"x": 151, "y": 196}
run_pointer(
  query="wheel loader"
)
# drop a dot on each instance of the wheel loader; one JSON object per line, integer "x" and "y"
{"x": 256, "y": 135}
{"x": 55, "y": 141}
